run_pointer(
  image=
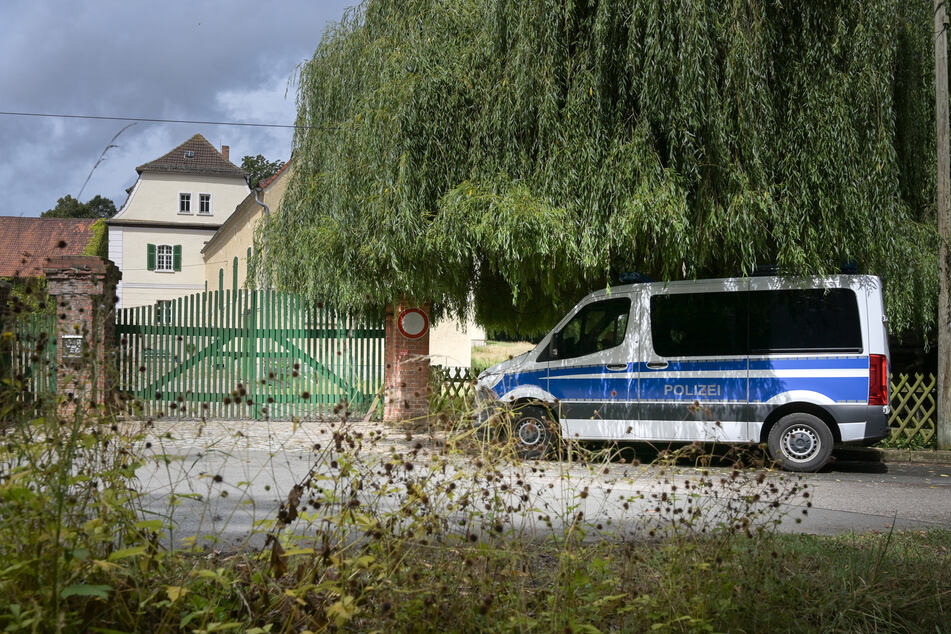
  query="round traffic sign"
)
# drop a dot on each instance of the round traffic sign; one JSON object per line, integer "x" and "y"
{"x": 413, "y": 323}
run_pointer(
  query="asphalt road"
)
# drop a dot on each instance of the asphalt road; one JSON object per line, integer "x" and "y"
{"x": 224, "y": 485}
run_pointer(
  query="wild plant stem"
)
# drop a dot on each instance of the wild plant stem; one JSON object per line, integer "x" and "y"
{"x": 65, "y": 468}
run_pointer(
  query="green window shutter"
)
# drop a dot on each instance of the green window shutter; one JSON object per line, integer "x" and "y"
{"x": 177, "y": 257}
{"x": 150, "y": 257}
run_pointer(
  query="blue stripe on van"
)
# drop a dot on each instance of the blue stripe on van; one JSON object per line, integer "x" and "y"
{"x": 607, "y": 389}
{"x": 606, "y": 385}
{"x": 510, "y": 381}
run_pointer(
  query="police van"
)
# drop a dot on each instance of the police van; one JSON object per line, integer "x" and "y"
{"x": 800, "y": 364}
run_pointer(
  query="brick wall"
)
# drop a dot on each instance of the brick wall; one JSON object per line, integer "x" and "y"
{"x": 84, "y": 290}
{"x": 407, "y": 370}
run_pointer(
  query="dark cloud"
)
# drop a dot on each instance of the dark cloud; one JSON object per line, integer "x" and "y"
{"x": 215, "y": 60}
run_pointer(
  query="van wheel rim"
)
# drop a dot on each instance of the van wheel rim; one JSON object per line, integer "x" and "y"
{"x": 530, "y": 432}
{"x": 800, "y": 443}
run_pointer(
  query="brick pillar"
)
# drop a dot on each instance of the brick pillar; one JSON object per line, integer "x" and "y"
{"x": 84, "y": 288}
{"x": 407, "y": 369}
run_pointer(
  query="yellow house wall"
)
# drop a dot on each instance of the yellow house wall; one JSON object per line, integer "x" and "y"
{"x": 232, "y": 243}
{"x": 451, "y": 341}
{"x": 234, "y": 238}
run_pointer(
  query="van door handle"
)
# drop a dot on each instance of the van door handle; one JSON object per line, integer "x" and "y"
{"x": 656, "y": 365}
{"x": 616, "y": 367}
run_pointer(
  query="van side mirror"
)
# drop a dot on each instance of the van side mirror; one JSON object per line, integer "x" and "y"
{"x": 553, "y": 346}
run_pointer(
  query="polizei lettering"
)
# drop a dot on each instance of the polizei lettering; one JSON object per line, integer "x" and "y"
{"x": 709, "y": 390}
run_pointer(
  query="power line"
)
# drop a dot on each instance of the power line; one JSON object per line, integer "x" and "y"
{"x": 148, "y": 120}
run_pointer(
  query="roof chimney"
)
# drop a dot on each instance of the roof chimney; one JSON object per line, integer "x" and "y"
{"x": 225, "y": 151}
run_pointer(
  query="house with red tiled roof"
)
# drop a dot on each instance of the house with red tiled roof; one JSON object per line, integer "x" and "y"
{"x": 26, "y": 244}
{"x": 177, "y": 204}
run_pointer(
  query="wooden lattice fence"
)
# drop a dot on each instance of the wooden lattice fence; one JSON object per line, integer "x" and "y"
{"x": 914, "y": 407}
{"x": 451, "y": 385}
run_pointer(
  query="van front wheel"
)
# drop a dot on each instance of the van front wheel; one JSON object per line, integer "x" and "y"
{"x": 532, "y": 432}
{"x": 800, "y": 442}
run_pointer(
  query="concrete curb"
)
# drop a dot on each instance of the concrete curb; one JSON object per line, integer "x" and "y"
{"x": 877, "y": 454}
{"x": 934, "y": 456}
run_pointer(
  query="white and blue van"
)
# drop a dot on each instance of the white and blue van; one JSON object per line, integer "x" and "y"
{"x": 800, "y": 364}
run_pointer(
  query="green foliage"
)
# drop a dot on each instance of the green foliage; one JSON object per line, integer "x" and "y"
{"x": 69, "y": 512}
{"x": 98, "y": 244}
{"x": 28, "y": 295}
{"x": 523, "y": 154}
{"x": 259, "y": 168}
{"x": 69, "y": 207}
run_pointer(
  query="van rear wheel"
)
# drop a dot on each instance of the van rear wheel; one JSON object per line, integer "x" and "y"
{"x": 800, "y": 442}
{"x": 533, "y": 432}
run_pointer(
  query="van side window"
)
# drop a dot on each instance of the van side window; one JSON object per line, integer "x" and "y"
{"x": 698, "y": 324}
{"x": 598, "y": 326}
{"x": 806, "y": 320}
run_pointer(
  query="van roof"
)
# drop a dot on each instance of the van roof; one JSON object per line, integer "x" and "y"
{"x": 737, "y": 283}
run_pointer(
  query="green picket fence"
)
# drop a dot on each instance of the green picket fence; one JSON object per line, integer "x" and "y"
{"x": 258, "y": 354}
{"x": 31, "y": 356}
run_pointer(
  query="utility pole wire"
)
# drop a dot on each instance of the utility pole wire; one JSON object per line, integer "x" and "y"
{"x": 148, "y": 120}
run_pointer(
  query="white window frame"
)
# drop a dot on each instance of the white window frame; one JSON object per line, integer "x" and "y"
{"x": 202, "y": 199}
{"x": 185, "y": 203}
{"x": 164, "y": 258}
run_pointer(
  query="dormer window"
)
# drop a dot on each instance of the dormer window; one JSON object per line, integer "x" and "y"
{"x": 184, "y": 203}
{"x": 189, "y": 154}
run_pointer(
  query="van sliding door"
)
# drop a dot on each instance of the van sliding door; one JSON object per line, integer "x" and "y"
{"x": 694, "y": 372}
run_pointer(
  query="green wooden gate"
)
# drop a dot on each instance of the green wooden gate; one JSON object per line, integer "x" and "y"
{"x": 246, "y": 354}
{"x": 29, "y": 351}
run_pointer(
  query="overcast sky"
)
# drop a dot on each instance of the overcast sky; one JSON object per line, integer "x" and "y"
{"x": 208, "y": 60}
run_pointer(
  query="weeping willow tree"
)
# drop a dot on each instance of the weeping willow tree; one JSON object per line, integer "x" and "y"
{"x": 508, "y": 156}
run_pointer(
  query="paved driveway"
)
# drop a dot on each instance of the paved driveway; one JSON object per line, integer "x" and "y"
{"x": 222, "y": 483}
